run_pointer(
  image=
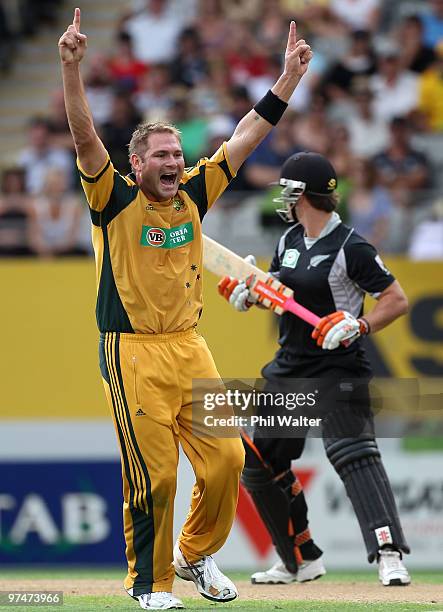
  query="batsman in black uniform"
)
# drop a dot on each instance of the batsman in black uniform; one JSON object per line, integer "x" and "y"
{"x": 330, "y": 268}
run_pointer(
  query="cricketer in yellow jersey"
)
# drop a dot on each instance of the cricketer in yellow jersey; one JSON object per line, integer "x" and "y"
{"x": 147, "y": 239}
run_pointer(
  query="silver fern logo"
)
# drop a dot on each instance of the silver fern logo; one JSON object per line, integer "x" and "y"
{"x": 316, "y": 260}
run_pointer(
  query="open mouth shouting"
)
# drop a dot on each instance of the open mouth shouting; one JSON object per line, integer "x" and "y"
{"x": 168, "y": 179}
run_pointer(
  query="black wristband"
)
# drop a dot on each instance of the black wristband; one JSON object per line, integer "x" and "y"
{"x": 366, "y": 325}
{"x": 271, "y": 108}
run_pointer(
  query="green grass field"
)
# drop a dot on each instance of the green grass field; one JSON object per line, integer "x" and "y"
{"x": 122, "y": 603}
{"x": 427, "y": 576}
{"x": 95, "y": 604}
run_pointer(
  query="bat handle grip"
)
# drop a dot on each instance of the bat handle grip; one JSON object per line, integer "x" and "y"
{"x": 303, "y": 313}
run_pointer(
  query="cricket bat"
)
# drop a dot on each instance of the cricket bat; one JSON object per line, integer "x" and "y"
{"x": 269, "y": 291}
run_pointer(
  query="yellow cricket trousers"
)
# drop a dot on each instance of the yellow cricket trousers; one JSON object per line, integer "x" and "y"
{"x": 148, "y": 384}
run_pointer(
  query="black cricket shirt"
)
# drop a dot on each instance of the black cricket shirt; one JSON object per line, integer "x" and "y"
{"x": 335, "y": 273}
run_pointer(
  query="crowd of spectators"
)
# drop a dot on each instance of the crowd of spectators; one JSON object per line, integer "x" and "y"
{"x": 372, "y": 102}
{"x": 21, "y": 19}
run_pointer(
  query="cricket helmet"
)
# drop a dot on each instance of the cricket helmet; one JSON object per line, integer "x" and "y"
{"x": 309, "y": 173}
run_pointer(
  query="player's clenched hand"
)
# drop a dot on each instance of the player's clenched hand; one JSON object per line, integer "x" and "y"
{"x": 336, "y": 328}
{"x": 298, "y": 54}
{"x": 236, "y": 291}
{"x": 72, "y": 44}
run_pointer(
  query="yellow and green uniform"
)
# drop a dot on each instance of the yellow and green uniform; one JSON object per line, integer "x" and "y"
{"x": 149, "y": 267}
{"x": 431, "y": 98}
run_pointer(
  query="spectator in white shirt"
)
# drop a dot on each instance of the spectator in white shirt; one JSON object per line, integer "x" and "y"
{"x": 357, "y": 14}
{"x": 154, "y": 32}
{"x": 427, "y": 237}
{"x": 56, "y": 218}
{"x": 395, "y": 89}
{"x": 41, "y": 155}
{"x": 154, "y": 100}
{"x": 368, "y": 133}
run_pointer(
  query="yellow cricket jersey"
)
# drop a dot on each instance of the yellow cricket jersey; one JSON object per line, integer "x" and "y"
{"x": 149, "y": 254}
{"x": 431, "y": 98}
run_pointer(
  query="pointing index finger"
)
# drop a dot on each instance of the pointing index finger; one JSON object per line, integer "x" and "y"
{"x": 292, "y": 37}
{"x": 76, "y": 21}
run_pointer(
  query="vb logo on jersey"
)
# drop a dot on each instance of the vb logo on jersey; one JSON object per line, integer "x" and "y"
{"x": 155, "y": 236}
{"x": 167, "y": 237}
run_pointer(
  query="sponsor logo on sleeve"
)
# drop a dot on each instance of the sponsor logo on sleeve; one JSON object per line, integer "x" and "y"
{"x": 379, "y": 260}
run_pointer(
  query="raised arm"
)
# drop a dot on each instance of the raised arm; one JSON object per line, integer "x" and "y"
{"x": 257, "y": 124}
{"x": 90, "y": 150}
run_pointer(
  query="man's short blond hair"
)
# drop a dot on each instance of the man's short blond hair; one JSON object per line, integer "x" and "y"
{"x": 140, "y": 138}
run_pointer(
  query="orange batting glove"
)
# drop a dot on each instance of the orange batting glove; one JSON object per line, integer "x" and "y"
{"x": 237, "y": 293}
{"x": 226, "y": 286}
{"x": 339, "y": 327}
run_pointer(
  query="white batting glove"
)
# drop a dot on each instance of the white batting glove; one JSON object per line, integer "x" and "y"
{"x": 338, "y": 327}
{"x": 241, "y": 298}
{"x": 237, "y": 292}
{"x": 250, "y": 259}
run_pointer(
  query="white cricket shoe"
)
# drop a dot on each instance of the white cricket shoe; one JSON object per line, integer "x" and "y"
{"x": 278, "y": 574}
{"x": 391, "y": 571}
{"x": 160, "y": 600}
{"x": 206, "y": 576}
{"x": 311, "y": 570}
